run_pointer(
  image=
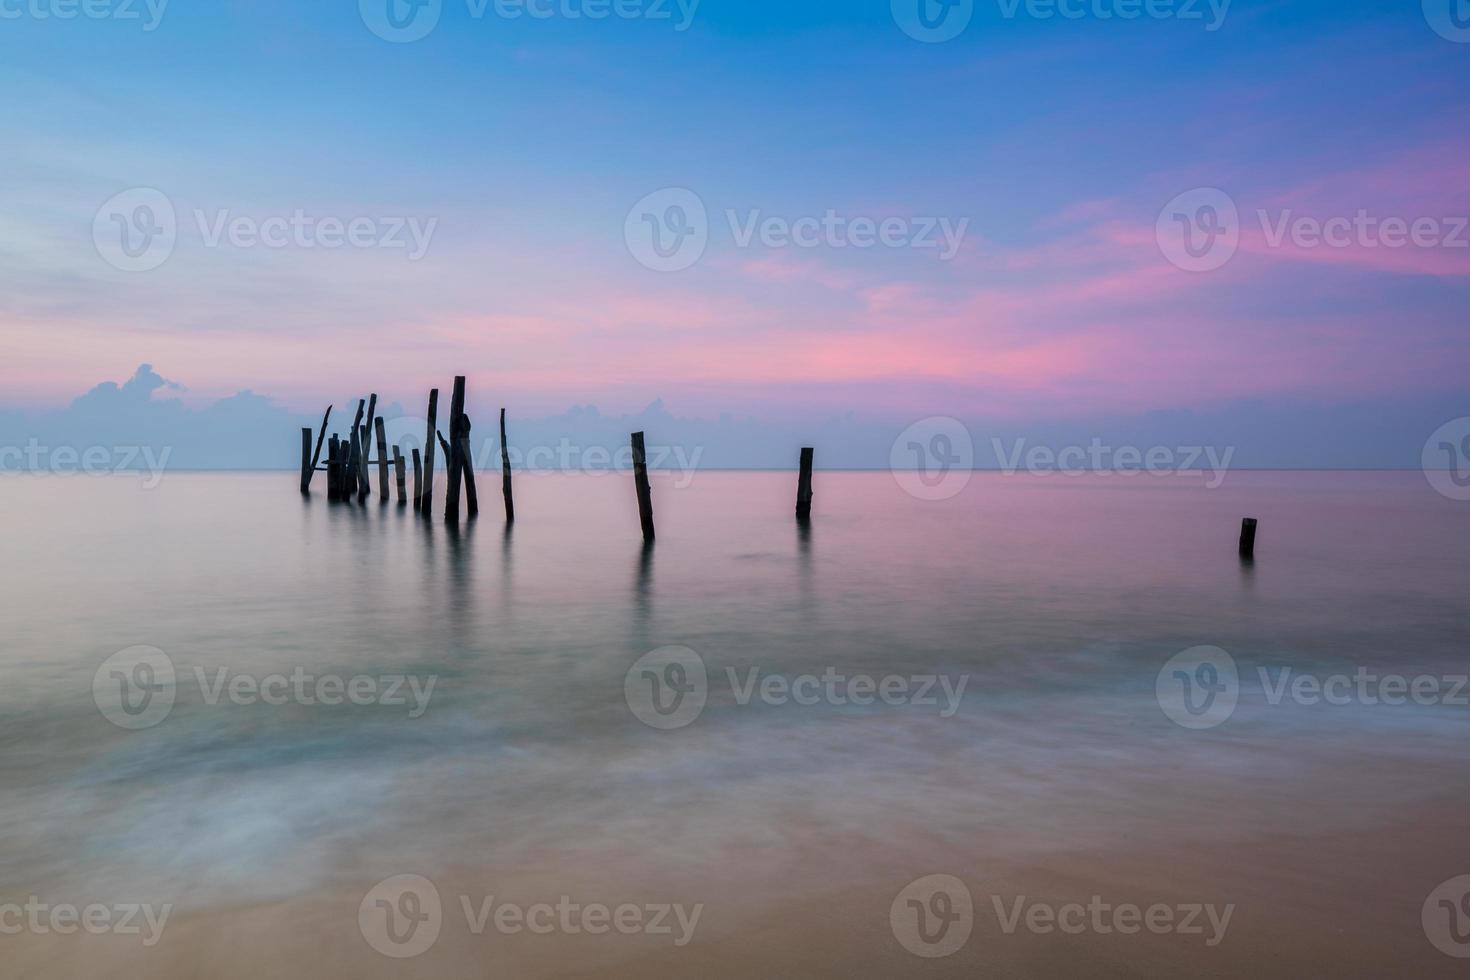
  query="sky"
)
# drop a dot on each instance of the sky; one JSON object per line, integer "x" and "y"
{"x": 750, "y": 222}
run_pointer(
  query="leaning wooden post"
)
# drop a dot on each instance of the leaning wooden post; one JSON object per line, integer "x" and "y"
{"x": 467, "y": 464}
{"x": 426, "y": 501}
{"x": 418, "y": 478}
{"x": 399, "y": 475}
{"x": 453, "y": 461}
{"x": 306, "y": 459}
{"x": 640, "y": 481}
{"x": 804, "y": 486}
{"x": 1248, "y": 537}
{"x": 316, "y": 457}
{"x": 510, "y": 507}
{"x": 382, "y": 459}
{"x": 364, "y": 445}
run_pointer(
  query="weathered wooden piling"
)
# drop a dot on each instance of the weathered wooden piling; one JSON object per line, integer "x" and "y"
{"x": 354, "y": 465}
{"x": 400, "y": 476}
{"x": 306, "y": 459}
{"x": 453, "y": 460}
{"x": 467, "y": 466}
{"x": 418, "y": 477}
{"x": 334, "y": 469}
{"x": 1248, "y": 537}
{"x": 382, "y": 458}
{"x": 640, "y": 481}
{"x": 804, "y": 485}
{"x": 510, "y": 507}
{"x": 426, "y": 500}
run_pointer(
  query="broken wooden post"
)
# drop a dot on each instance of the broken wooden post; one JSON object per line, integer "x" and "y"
{"x": 382, "y": 458}
{"x": 306, "y": 459}
{"x": 334, "y": 470}
{"x": 426, "y": 501}
{"x": 804, "y": 486}
{"x": 316, "y": 457}
{"x": 453, "y": 461}
{"x": 510, "y": 507}
{"x": 418, "y": 477}
{"x": 1248, "y": 537}
{"x": 399, "y": 475}
{"x": 640, "y": 481}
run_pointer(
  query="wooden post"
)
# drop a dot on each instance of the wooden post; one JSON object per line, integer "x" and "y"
{"x": 510, "y": 507}
{"x": 306, "y": 459}
{"x": 364, "y": 445}
{"x": 1248, "y": 537}
{"x": 804, "y": 486}
{"x": 354, "y": 465}
{"x": 418, "y": 477}
{"x": 426, "y": 502}
{"x": 454, "y": 462}
{"x": 316, "y": 457}
{"x": 467, "y": 465}
{"x": 399, "y": 474}
{"x": 382, "y": 459}
{"x": 334, "y": 470}
{"x": 640, "y": 481}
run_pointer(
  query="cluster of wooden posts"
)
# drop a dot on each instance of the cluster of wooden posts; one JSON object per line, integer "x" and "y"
{"x": 348, "y": 466}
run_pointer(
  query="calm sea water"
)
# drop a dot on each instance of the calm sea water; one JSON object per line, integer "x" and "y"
{"x": 1057, "y": 598}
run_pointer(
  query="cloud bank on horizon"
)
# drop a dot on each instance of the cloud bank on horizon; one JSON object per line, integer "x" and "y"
{"x": 798, "y": 216}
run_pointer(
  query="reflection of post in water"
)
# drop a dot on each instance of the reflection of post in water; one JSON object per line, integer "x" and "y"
{"x": 804, "y": 562}
{"x": 643, "y": 592}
